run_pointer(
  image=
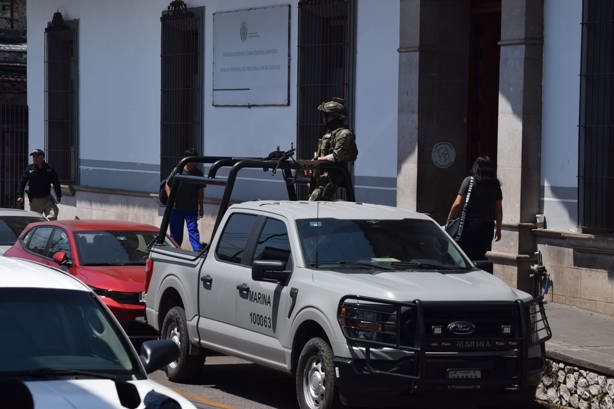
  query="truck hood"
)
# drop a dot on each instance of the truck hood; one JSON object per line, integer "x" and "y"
{"x": 426, "y": 286}
{"x": 129, "y": 279}
{"x": 91, "y": 394}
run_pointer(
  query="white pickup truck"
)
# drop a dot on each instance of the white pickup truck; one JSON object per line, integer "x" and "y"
{"x": 364, "y": 304}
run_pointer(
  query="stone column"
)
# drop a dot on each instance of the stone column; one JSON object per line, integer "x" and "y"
{"x": 409, "y": 74}
{"x": 519, "y": 136}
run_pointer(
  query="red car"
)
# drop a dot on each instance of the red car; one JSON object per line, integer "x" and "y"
{"x": 108, "y": 256}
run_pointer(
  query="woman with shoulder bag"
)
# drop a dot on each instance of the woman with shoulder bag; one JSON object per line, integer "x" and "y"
{"x": 479, "y": 203}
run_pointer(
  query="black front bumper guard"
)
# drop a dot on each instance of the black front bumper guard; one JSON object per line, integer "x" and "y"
{"x": 534, "y": 332}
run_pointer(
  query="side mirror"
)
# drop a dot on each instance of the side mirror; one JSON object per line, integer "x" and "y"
{"x": 62, "y": 258}
{"x": 270, "y": 270}
{"x": 157, "y": 354}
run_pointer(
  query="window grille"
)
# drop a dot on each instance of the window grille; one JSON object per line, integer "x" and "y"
{"x": 13, "y": 151}
{"x": 61, "y": 113}
{"x": 326, "y": 43}
{"x": 181, "y": 88}
{"x": 596, "y": 167}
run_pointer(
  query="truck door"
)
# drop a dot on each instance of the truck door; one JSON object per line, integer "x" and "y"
{"x": 262, "y": 307}
{"x": 225, "y": 265}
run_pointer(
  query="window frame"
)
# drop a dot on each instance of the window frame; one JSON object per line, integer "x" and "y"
{"x": 59, "y": 230}
{"x": 57, "y": 148}
{"x": 249, "y": 242}
{"x": 28, "y": 247}
{"x": 595, "y": 174}
{"x": 307, "y": 114}
{"x": 258, "y": 233}
{"x": 168, "y": 76}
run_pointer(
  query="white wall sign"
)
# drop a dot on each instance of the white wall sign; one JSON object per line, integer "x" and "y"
{"x": 251, "y": 57}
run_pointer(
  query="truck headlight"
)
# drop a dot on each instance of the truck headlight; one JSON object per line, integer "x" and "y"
{"x": 369, "y": 322}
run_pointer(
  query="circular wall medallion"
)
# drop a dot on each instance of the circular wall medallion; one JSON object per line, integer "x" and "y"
{"x": 443, "y": 154}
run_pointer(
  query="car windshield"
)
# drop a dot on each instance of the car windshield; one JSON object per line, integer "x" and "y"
{"x": 374, "y": 245}
{"x": 10, "y": 227}
{"x": 49, "y": 331}
{"x": 104, "y": 248}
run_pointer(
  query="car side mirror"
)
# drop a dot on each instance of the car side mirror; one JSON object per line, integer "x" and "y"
{"x": 270, "y": 270}
{"x": 62, "y": 258}
{"x": 158, "y": 353}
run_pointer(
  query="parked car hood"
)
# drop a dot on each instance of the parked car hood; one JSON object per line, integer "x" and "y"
{"x": 3, "y": 249}
{"x": 91, "y": 393}
{"x": 116, "y": 278}
{"x": 426, "y": 286}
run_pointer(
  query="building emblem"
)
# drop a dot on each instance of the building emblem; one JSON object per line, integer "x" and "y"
{"x": 243, "y": 31}
{"x": 443, "y": 155}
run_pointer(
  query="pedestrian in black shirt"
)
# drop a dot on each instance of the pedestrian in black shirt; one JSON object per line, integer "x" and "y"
{"x": 189, "y": 205}
{"x": 39, "y": 177}
{"x": 484, "y": 211}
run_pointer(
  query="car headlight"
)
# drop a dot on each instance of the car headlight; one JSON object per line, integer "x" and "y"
{"x": 369, "y": 322}
{"x": 118, "y": 296}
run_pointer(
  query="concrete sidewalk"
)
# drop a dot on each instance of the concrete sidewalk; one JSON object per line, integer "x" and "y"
{"x": 581, "y": 338}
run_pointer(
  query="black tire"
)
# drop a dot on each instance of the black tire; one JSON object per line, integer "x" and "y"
{"x": 315, "y": 376}
{"x": 187, "y": 367}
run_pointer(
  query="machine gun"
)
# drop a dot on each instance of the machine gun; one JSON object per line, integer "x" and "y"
{"x": 280, "y": 156}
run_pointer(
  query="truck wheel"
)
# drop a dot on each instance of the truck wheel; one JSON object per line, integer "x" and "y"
{"x": 315, "y": 376}
{"x": 187, "y": 366}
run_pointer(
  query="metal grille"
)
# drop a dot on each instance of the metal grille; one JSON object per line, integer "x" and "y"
{"x": 326, "y": 44}
{"x": 596, "y": 167}
{"x": 13, "y": 151}
{"x": 181, "y": 88}
{"x": 61, "y": 110}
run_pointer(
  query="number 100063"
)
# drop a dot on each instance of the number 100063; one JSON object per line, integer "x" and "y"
{"x": 260, "y": 320}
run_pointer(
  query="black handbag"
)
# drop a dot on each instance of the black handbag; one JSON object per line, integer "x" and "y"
{"x": 454, "y": 227}
{"x": 162, "y": 196}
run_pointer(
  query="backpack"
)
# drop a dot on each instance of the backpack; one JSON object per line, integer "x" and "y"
{"x": 349, "y": 152}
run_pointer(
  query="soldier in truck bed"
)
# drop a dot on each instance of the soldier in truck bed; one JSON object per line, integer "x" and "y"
{"x": 337, "y": 145}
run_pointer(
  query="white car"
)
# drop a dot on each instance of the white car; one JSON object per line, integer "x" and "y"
{"x": 12, "y": 222}
{"x": 61, "y": 347}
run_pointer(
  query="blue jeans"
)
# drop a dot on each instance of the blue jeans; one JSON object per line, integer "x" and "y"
{"x": 191, "y": 220}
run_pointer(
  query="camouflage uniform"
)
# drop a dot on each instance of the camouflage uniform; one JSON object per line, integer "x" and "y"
{"x": 338, "y": 145}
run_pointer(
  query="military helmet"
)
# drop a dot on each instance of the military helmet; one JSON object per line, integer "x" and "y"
{"x": 334, "y": 106}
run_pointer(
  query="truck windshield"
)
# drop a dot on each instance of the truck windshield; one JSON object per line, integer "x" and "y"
{"x": 378, "y": 245}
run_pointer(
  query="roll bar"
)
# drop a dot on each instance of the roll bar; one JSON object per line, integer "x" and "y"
{"x": 284, "y": 163}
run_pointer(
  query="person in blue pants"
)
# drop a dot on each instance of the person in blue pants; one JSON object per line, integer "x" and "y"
{"x": 189, "y": 206}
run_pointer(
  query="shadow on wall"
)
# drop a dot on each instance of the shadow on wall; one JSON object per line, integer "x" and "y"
{"x": 603, "y": 261}
{"x": 560, "y": 205}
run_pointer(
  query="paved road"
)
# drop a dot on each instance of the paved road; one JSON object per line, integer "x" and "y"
{"x": 228, "y": 383}
{"x": 231, "y": 383}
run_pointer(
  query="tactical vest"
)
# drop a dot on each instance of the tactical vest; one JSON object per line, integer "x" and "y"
{"x": 348, "y": 151}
